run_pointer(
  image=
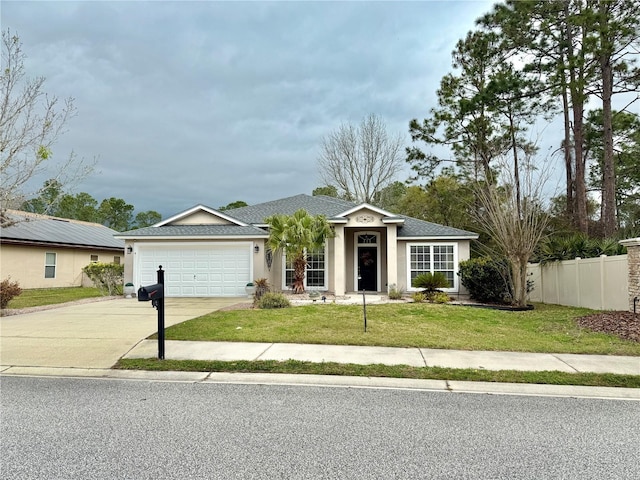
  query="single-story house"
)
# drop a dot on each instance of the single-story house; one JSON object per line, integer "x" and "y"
{"x": 209, "y": 253}
{"x": 41, "y": 251}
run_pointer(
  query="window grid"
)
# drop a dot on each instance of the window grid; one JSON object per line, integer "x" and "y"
{"x": 431, "y": 259}
{"x": 367, "y": 239}
{"x": 315, "y": 275}
{"x": 49, "y": 265}
{"x": 315, "y": 269}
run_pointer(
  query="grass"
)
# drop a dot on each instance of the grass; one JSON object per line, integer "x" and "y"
{"x": 37, "y": 297}
{"x": 546, "y": 329}
{"x": 392, "y": 371}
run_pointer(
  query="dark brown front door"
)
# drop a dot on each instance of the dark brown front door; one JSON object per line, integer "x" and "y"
{"x": 368, "y": 268}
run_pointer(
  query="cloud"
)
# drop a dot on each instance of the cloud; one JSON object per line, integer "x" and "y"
{"x": 212, "y": 102}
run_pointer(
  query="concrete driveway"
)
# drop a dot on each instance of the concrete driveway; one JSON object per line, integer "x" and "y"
{"x": 91, "y": 335}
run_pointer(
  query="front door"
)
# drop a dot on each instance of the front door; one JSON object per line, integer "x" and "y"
{"x": 368, "y": 269}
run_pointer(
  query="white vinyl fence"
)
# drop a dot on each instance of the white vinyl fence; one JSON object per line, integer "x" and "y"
{"x": 599, "y": 283}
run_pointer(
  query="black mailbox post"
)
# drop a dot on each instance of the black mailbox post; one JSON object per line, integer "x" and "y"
{"x": 155, "y": 294}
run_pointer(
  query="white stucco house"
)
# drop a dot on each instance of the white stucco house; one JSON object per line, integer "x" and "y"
{"x": 208, "y": 253}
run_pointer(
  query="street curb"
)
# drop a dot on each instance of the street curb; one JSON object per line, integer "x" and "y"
{"x": 490, "y": 388}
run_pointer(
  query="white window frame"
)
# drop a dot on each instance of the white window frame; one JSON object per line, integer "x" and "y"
{"x": 456, "y": 268}
{"x": 51, "y": 265}
{"x": 307, "y": 287}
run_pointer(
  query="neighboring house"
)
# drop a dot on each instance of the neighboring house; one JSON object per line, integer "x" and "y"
{"x": 41, "y": 251}
{"x": 207, "y": 253}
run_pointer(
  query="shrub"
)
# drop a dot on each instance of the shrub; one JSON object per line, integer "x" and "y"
{"x": 418, "y": 297}
{"x": 486, "y": 279}
{"x": 107, "y": 277}
{"x": 273, "y": 300}
{"x": 440, "y": 297}
{"x": 394, "y": 292}
{"x": 261, "y": 287}
{"x": 430, "y": 282}
{"x": 8, "y": 291}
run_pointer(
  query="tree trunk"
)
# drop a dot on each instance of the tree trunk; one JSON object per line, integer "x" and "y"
{"x": 519, "y": 279}
{"x": 576, "y": 89}
{"x": 299, "y": 265}
{"x": 568, "y": 158}
{"x": 608, "y": 212}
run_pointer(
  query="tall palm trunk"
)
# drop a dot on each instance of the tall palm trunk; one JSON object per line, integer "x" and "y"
{"x": 299, "y": 265}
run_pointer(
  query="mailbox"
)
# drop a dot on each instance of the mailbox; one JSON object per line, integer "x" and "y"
{"x": 151, "y": 292}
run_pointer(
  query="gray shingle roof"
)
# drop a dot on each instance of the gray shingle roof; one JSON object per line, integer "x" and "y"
{"x": 332, "y": 207}
{"x": 42, "y": 229}
{"x": 413, "y": 227}
{"x": 315, "y": 205}
{"x": 196, "y": 231}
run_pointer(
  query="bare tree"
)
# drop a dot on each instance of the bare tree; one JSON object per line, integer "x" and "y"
{"x": 30, "y": 123}
{"x": 361, "y": 160}
{"x": 515, "y": 224}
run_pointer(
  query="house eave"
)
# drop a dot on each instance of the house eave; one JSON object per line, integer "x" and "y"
{"x": 202, "y": 208}
{"x": 392, "y": 220}
{"x": 191, "y": 237}
{"x": 36, "y": 243}
{"x": 445, "y": 238}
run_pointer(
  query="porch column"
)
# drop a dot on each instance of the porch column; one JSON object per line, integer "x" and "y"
{"x": 339, "y": 265}
{"x": 392, "y": 255}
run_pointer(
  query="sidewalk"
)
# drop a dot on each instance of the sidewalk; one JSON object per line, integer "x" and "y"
{"x": 415, "y": 357}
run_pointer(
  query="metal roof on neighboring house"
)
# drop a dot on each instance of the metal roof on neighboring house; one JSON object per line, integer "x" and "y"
{"x": 35, "y": 229}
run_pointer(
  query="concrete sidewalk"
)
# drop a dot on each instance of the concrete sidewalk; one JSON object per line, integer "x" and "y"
{"x": 416, "y": 357}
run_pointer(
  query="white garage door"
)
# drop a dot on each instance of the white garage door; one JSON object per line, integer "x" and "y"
{"x": 212, "y": 270}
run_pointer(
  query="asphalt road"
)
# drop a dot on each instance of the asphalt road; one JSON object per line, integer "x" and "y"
{"x": 56, "y": 428}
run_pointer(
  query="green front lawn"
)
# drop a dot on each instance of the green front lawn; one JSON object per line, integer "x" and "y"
{"x": 548, "y": 328}
{"x": 37, "y": 297}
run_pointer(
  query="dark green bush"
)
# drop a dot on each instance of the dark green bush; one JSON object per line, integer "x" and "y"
{"x": 8, "y": 291}
{"x": 486, "y": 279}
{"x": 273, "y": 300}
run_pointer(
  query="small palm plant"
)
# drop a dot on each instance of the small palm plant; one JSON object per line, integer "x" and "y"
{"x": 261, "y": 287}
{"x": 430, "y": 282}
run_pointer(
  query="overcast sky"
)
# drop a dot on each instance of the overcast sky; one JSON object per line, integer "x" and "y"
{"x": 208, "y": 102}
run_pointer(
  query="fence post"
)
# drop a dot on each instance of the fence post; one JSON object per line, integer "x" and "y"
{"x": 577, "y": 262}
{"x": 602, "y": 280}
{"x": 633, "y": 269}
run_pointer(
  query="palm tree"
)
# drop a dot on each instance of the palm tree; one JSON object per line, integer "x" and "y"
{"x": 296, "y": 235}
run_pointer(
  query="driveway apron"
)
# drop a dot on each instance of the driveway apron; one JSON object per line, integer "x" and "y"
{"x": 91, "y": 335}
